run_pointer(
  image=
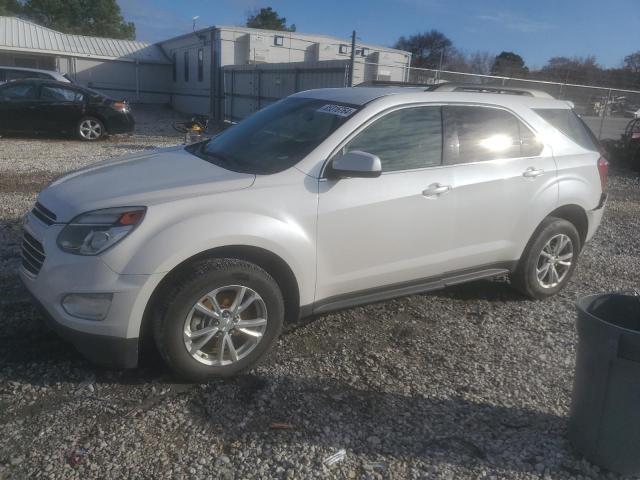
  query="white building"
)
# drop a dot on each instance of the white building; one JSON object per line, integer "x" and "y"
{"x": 197, "y": 67}
{"x": 184, "y": 70}
{"x": 128, "y": 69}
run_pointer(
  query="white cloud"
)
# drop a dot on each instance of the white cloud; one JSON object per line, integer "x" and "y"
{"x": 517, "y": 22}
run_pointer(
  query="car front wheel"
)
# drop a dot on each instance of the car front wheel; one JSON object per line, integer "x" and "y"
{"x": 90, "y": 129}
{"x": 218, "y": 319}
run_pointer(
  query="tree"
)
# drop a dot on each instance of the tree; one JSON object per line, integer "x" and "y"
{"x": 480, "y": 63}
{"x": 268, "y": 19}
{"x": 582, "y": 70}
{"x": 509, "y": 64}
{"x": 632, "y": 62}
{"x": 100, "y": 18}
{"x": 427, "y": 49}
{"x": 10, "y": 8}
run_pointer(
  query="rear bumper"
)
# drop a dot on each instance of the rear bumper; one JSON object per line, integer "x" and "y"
{"x": 103, "y": 350}
{"x": 595, "y": 216}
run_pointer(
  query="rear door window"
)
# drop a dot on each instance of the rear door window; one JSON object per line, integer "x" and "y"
{"x": 569, "y": 123}
{"x": 404, "y": 139}
{"x": 477, "y": 134}
{"x": 50, "y": 93}
{"x": 22, "y": 91}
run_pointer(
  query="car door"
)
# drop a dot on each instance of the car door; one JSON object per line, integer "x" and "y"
{"x": 18, "y": 103}
{"x": 502, "y": 184}
{"x": 61, "y": 107}
{"x": 393, "y": 229}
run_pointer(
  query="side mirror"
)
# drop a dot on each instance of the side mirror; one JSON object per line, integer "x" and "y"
{"x": 355, "y": 164}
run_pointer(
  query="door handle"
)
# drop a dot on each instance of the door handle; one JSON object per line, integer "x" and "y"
{"x": 532, "y": 172}
{"x": 436, "y": 189}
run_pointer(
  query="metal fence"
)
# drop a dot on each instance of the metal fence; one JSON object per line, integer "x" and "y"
{"x": 606, "y": 110}
{"x": 248, "y": 88}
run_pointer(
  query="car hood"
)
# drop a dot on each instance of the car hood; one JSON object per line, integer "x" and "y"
{"x": 139, "y": 180}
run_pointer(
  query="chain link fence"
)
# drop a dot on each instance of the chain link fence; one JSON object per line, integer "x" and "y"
{"x": 248, "y": 88}
{"x": 607, "y": 111}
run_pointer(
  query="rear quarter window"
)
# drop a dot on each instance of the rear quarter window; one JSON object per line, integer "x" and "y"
{"x": 569, "y": 123}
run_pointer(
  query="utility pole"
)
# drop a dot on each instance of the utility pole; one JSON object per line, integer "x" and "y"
{"x": 352, "y": 62}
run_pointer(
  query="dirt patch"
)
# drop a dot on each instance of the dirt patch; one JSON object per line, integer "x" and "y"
{"x": 25, "y": 182}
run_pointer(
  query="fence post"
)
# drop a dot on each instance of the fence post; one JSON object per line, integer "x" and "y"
{"x": 295, "y": 81}
{"x": 352, "y": 60}
{"x": 604, "y": 112}
{"x": 232, "y": 94}
{"x": 259, "y": 71}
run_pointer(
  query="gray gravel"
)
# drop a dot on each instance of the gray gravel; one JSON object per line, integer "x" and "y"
{"x": 469, "y": 382}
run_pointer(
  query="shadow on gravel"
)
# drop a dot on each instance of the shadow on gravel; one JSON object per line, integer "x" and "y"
{"x": 335, "y": 415}
{"x": 26, "y": 339}
{"x": 38, "y": 136}
{"x": 490, "y": 290}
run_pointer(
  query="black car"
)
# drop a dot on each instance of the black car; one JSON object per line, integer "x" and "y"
{"x": 36, "y": 105}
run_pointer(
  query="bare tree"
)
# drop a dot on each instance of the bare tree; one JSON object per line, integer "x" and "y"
{"x": 632, "y": 62}
{"x": 480, "y": 62}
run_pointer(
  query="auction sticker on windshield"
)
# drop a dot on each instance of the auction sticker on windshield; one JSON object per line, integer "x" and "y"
{"x": 339, "y": 110}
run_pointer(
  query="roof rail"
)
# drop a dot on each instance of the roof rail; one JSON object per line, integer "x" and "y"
{"x": 391, "y": 83}
{"x": 461, "y": 87}
{"x": 482, "y": 88}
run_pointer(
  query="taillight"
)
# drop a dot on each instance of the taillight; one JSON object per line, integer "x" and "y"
{"x": 120, "y": 106}
{"x": 603, "y": 170}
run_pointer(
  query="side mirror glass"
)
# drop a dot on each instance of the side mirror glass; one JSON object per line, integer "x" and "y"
{"x": 355, "y": 164}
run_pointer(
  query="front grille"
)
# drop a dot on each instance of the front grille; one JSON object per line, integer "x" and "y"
{"x": 32, "y": 254}
{"x": 43, "y": 214}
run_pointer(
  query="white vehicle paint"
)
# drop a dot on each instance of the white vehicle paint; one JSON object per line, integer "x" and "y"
{"x": 342, "y": 240}
{"x": 13, "y": 73}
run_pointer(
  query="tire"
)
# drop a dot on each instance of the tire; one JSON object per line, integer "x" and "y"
{"x": 90, "y": 129}
{"x": 177, "y": 315}
{"x": 530, "y": 277}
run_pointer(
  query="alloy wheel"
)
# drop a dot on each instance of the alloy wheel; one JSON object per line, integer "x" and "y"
{"x": 225, "y": 325}
{"x": 554, "y": 261}
{"x": 90, "y": 129}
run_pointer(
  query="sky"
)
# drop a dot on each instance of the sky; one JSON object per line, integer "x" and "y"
{"x": 535, "y": 29}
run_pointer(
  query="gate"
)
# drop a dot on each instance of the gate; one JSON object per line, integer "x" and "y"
{"x": 248, "y": 88}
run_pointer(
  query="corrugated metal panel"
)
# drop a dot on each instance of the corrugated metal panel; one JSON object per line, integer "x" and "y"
{"x": 248, "y": 88}
{"x": 18, "y": 34}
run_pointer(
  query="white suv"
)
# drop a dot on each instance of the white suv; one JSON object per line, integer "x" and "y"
{"x": 324, "y": 200}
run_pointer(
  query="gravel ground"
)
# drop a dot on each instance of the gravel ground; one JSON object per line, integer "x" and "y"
{"x": 469, "y": 382}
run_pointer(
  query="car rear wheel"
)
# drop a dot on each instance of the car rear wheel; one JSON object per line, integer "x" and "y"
{"x": 90, "y": 129}
{"x": 218, "y": 319}
{"x": 549, "y": 260}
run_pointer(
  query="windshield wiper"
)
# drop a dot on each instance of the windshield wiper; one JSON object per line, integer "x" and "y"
{"x": 216, "y": 158}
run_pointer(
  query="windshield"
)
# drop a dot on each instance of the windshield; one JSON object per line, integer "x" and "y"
{"x": 275, "y": 138}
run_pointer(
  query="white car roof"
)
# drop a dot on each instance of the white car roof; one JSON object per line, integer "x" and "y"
{"x": 55, "y": 75}
{"x": 364, "y": 95}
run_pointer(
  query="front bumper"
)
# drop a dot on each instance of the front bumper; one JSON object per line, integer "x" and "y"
{"x": 121, "y": 123}
{"x": 103, "y": 350}
{"x": 110, "y": 342}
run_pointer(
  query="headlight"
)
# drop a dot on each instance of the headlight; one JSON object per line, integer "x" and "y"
{"x": 93, "y": 232}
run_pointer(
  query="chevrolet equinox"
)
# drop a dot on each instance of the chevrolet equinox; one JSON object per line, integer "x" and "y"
{"x": 324, "y": 200}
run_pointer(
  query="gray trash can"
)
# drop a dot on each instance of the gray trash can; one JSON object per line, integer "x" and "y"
{"x": 604, "y": 424}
